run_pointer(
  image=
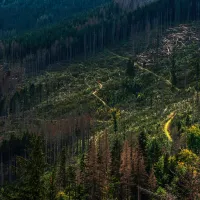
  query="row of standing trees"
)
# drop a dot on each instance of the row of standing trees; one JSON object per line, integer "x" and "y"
{"x": 100, "y": 174}
{"x": 84, "y": 36}
{"x": 120, "y": 171}
{"x": 73, "y": 133}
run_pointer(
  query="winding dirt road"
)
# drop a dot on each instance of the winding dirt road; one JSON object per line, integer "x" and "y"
{"x": 167, "y": 126}
{"x": 95, "y": 94}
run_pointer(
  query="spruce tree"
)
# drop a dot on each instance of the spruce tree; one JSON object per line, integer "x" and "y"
{"x": 31, "y": 171}
{"x": 32, "y": 94}
{"x": 142, "y": 141}
{"x": 114, "y": 116}
{"x": 52, "y": 185}
{"x": 130, "y": 70}
{"x": 80, "y": 189}
{"x": 115, "y": 166}
{"x": 62, "y": 174}
{"x": 173, "y": 70}
{"x": 71, "y": 182}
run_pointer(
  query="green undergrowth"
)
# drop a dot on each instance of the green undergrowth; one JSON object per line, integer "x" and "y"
{"x": 143, "y": 101}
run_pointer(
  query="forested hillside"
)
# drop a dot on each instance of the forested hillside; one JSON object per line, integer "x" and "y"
{"x": 103, "y": 106}
{"x": 20, "y": 15}
{"x": 85, "y": 35}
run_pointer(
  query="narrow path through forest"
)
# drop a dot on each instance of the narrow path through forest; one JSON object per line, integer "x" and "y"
{"x": 147, "y": 70}
{"x": 95, "y": 94}
{"x": 156, "y": 75}
{"x": 172, "y": 114}
{"x": 167, "y": 126}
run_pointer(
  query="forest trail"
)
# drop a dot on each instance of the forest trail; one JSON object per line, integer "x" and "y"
{"x": 95, "y": 94}
{"x": 167, "y": 126}
{"x": 100, "y": 87}
{"x": 147, "y": 70}
{"x": 156, "y": 75}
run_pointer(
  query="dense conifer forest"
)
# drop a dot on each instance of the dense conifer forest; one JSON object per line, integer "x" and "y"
{"x": 21, "y": 15}
{"x": 99, "y": 100}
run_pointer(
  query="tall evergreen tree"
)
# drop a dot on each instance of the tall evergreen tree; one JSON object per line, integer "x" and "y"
{"x": 173, "y": 70}
{"x": 142, "y": 141}
{"x": 31, "y": 185}
{"x": 130, "y": 69}
{"x": 52, "y": 185}
{"x": 81, "y": 179}
{"x": 61, "y": 174}
{"x": 115, "y": 166}
{"x": 71, "y": 182}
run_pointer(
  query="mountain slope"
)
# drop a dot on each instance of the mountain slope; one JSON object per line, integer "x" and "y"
{"x": 92, "y": 32}
{"x": 115, "y": 116}
{"x": 16, "y": 14}
{"x": 97, "y": 94}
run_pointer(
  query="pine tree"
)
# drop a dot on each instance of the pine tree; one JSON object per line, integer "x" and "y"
{"x": 31, "y": 172}
{"x": 52, "y": 185}
{"x": 188, "y": 120}
{"x": 61, "y": 174}
{"x": 80, "y": 178}
{"x": 142, "y": 141}
{"x": 130, "y": 69}
{"x": 173, "y": 70}
{"x": 32, "y": 94}
{"x": 115, "y": 115}
{"x": 81, "y": 170}
{"x": 115, "y": 166}
{"x": 154, "y": 150}
{"x": 71, "y": 182}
